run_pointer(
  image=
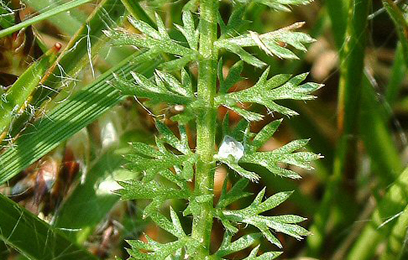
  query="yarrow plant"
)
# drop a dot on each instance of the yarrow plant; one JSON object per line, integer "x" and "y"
{"x": 172, "y": 167}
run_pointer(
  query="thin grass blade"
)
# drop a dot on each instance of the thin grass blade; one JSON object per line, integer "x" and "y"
{"x": 33, "y": 237}
{"x": 59, "y": 9}
{"x": 383, "y": 219}
{"x": 78, "y": 53}
{"x": 14, "y": 100}
{"x": 68, "y": 118}
{"x": 91, "y": 201}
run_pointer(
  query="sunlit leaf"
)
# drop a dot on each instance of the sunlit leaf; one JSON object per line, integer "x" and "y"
{"x": 155, "y": 250}
{"x": 237, "y": 192}
{"x": 227, "y": 247}
{"x": 265, "y": 256}
{"x": 250, "y": 215}
{"x": 266, "y": 92}
{"x": 272, "y": 43}
{"x": 280, "y": 5}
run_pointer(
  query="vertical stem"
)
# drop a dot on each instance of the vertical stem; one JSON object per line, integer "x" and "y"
{"x": 350, "y": 85}
{"x": 204, "y": 179}
{"x": 375, "y": 231}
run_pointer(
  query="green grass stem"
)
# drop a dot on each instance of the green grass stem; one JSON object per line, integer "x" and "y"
{"x": 352, "y": 67}
{"x": 383, "y": 220}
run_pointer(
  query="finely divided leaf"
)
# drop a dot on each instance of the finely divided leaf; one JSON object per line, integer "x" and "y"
{"x": 265, "y": 92}
{"x": 227, "y": 247}
{"x": 168, "y": 136}
{"x": 120, "y": 37}
{"x": 265, "y": 256}
{"x": 272, "y": 43}
{"x": 134, "y": 189}
{"x": 231, "y": 163}
{"x": 174, "y": 84}
{"x": 243, "y": 54}
{"x": 154, "y": 162}
{"x": 188, "y": 30}
{"x": 153, "y": 250}
{"x": 234, "y": 76}
{"x": 250, "y": 215}
{"x": 279, "y": 5}
{"x": 235, "y": 23}
{"x": 237, "y": 192}
{"x": 246, "y": 114}
{"x": 264, "y": 135}
{"x": 166, "y": 88}
{"x": 271, "y": 160}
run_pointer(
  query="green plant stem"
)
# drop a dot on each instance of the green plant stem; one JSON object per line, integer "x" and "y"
{"x": 206, "y": 124}
{"x": 396, "y": 245}
{"x": 397, "y": 76}
{"x": 382, "y": 221}
{"x": 389, "y": 166}
{"x": 337, "y": 10}
{"x": 401, "y": 24}
{"x": 349, "y": 99}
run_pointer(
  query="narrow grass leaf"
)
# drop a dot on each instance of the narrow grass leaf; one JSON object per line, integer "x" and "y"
{"x": 59, "y": 9}
{"x": 15, "y": 99}
{"x": 66, "y": 119}
{"x": 16, "y": 224}
{"x": 84, "y": 215}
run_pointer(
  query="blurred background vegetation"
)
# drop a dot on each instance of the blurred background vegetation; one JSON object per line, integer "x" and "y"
{"x": 62, "y": 144}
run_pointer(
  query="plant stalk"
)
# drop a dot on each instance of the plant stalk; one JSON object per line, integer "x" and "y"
{"x": 382, "y": 222}
{"x": 206, "y": 124}
{"x": 350, "y": 85}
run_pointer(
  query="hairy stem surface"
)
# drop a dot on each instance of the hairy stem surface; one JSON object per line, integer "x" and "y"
{"x": 204, "y": 179}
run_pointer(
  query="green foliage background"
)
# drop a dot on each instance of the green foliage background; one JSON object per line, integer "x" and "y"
{"x": 69, "y": 127}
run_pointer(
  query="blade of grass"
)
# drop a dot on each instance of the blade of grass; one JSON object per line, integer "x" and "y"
{"x": 44, "y": 243}
{"x": 377, "y": 140}
{"x": 6, "y": 14}
{"x": 383, "y": 219}
{"x": 134, "y": 8}
{"x": 4, "y": 250}
{"x": 396, "y": 246}
{"x": 381, "y": 156}
{"x": 400, "y": 23}
{"x": 65, "y": 21}
{"x": 350, "y": 85}
{"x": 90, "y": 202}
{"x": 15, "y": 98}
{"x": 397, "y": 76}
{"x": 85, "y": 43}
{"x": 58, "y": 9}
{"x": 72, "y": 21}
{"x": 338, "y": 13}
{"x": 69, "y": 117}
